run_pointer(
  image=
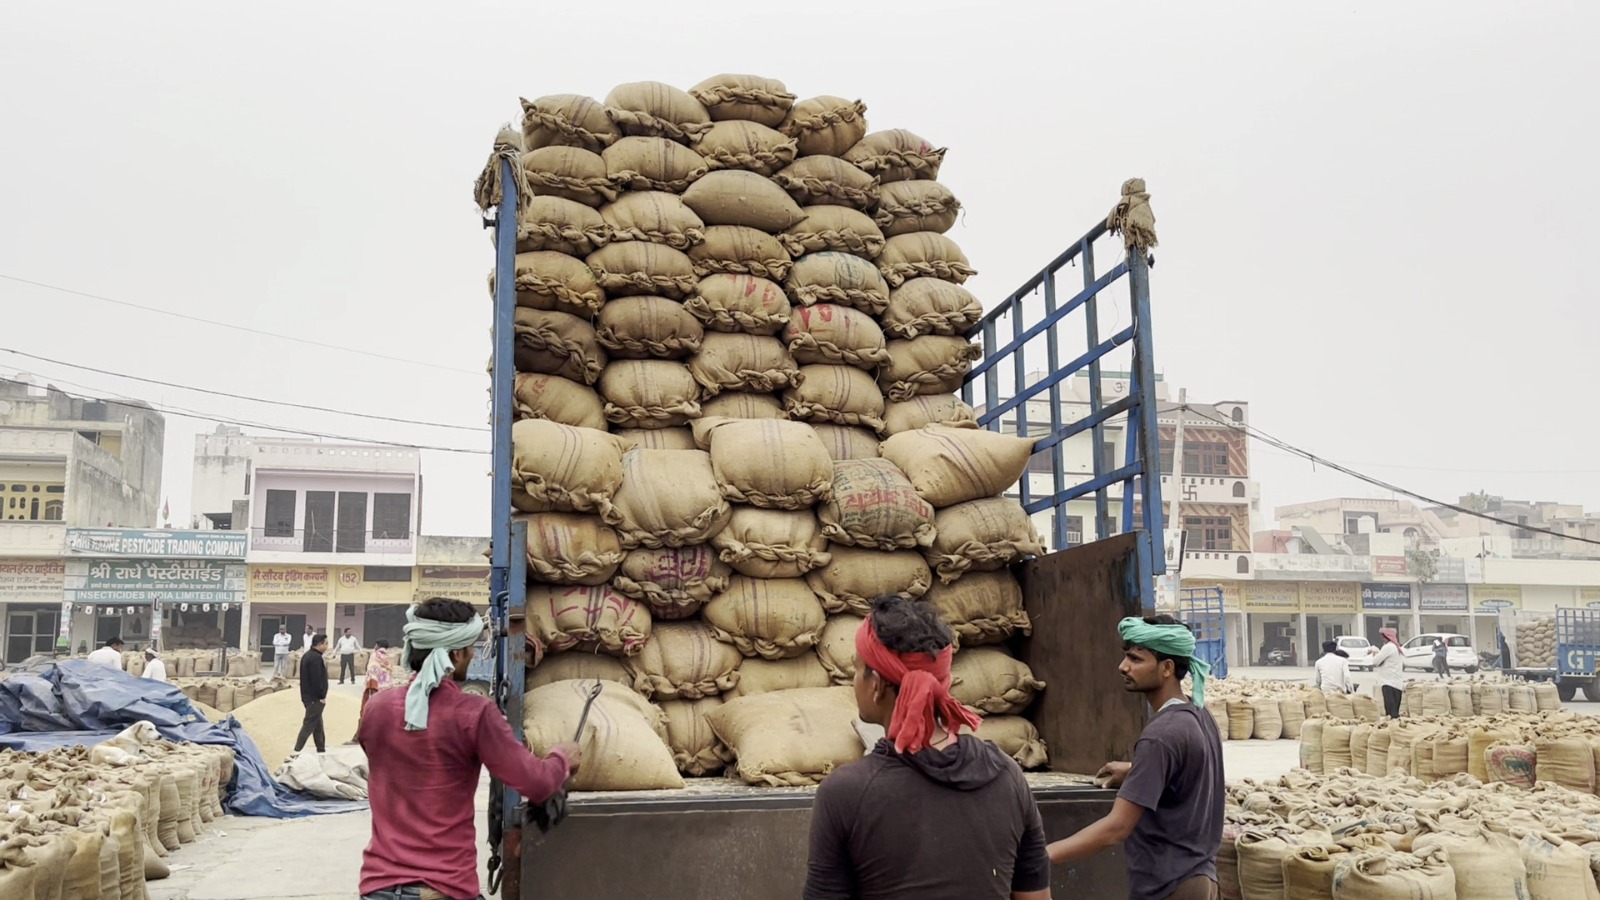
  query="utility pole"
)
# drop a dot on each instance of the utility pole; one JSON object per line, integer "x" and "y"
{"x": 1175, "y": 529}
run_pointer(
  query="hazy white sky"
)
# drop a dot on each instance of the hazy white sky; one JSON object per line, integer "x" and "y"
{"x": 1376, "y": 219}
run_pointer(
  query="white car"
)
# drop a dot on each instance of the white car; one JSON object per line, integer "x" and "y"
{"x": 1459, "y": 655}
{"x": 1359, "y": 649}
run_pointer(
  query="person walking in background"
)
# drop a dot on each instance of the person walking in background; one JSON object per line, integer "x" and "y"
{"x": 1389, "y": 666}
{"x": 348, "y": 648}
{"x": 109, "y": 655}
{"x": 1441, "y": 659}
{"x": 1333, "y": 670}
{"x": 154, "y": 668}
{"x": 281, "y": 642}
{"x": 306, "y": 638}
{"x": 380, "y": 672}
{"x": 314, "y": 694}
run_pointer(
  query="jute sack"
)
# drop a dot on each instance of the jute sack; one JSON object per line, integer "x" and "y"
{"x": 1335, "y": 743}
{"x": 837, "y": 228}
{"x": 578, "y": 667}
{"x": 669, "y": 498}
{"x": 1479, "y": 740}
{"x": 789, "y": 738}
{"x": 1017, "y": 738}
{"x": 928, "y": 409}
{"x": 740, "y": 250}
{"x": 1340, "y": 706}
{"x": 836, "y": 648}
{"x": 1411, "y": 699}
{"x": 1292, "y": 710}
{"x": 907, "y": 206}
{"x": 566, "y": 120}
{"x": 742, "y": 406}
{"x": 982, "y": 608}
{"x": 935, "y": 364}
{"x": 653, "y": 164}
{"x": 569, "y": 548}
{"x": 556, "y": 281}
{"x": 763, "y": 676}
{"x": 674, "y": 581}
{"x": 81, "y": 875}
{"x": 1461, "y": 700}
{"x": 1262, "y": 852}
{"x": 654, "y": 109}
{"x": 742, "y": 362}
{"x": 657, "y": 217}
{"x": 560, "y": 225}
{"x": 587, "y": 618}
{"x": 735, "y": 144}
{"x": 559, "y": 468}
{"x": 1316, "y": 703}
{"x": 740, "y": 303}
{"x": 991, "y": 681}
{"x": 845, "y": 442}
{"x": 556, "y": 343}
{"x": 896, "y": 155}
{"x": 557, "y": 399}
{"x": 818, "y": 180}
{"x": 748, "y": 97}
{"x": 1228, "y": 862}
{"x": 648, "y": 328}
{"x": 838, "y": 278}
{"x": 1435, "y": 700}
{"x": 696, "y": 751}
{"x": 572, "y": 173}
{"x": 679, "y": 438}
{"x": 1387, "y": 875}
{"x": 1546, "y": 697}
{"x": 1557, "y": 870}
{"x": 1488, "y": 866}
{"x": 837, "y": 395}
{"x": 1513, "y": 764}
{"x": 1450, "y": 755}
{"x": 981, "y": 536}
{"x": 1241, "y": 720}
{"x": 1268, "y": 721}
{"x": 649, "y": 393}
{"x": 1311, "y": 747}
{"x": 767, "y": 462}
{"x": 734, "y": 197}
{"x": 772, "y": 543}
{"x": 1567, "y": 761}
{"x": 1217, "y": 708}
{"x": 1403, "y": 740}
{"x": 873, "y": 505}
{"x": 775, "y": 618}
{"x": 630, "y": 268}
{"x": 829, "y": 334}
{"x": 1366, "y": 708}
{"x": 924, "y": 306}
{"x": 826, "y": 125}
{"x": 683, "y": 661}
{"x": 1378, "y": 751}
{"x": 624, "y": 740}
{"x": 923, "y": 254}
{"x": 1521, "y": 698}
{"x": 1487, "y": 700}
{"x": 853, "y": 578}
{"x": 953, "y": 465}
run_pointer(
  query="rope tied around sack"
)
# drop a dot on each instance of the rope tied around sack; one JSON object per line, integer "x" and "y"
{"x": 487, "y": 190}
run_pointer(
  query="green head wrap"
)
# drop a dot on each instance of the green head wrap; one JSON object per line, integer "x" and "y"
{"x": 1171, "y": 640}
{"x": 440, "y": 638}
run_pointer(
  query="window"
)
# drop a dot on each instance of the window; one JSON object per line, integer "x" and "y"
{"x": 1074, "y": 530}
{"x": 1041, "y": 464}
{"x": 1238, "y": 489}
{"x": 1208, "y": 532}
{"x": 319, "y": 522}
{"x": 352, "y": 531}
{"x": 1204, "y": 458}
{"x": 1238, "y": 414}
{"x": 391, "y": 517}
{"x": 1108, "y": 456}
{"x": 1242, "y": 567}
{"x": 401, "y": 574}
{"x": 32, "y": 502}
{"x": 280, "y": 514}
{"x": 53, "y": 510}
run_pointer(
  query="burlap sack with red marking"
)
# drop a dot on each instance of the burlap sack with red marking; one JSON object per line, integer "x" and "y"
{"x": 587, "y": 618}
{"x": 557, "y": 399}
{"x": 841, "y": 278}
{"x": 571, "y": 548}
{"x": 674, "y": 581}
{"x": 740, "y": 303}
{"x": 874, "y": 505}
{"x": 826, "y": 334}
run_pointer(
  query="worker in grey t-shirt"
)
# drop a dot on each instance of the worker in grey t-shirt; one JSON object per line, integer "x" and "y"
{"x": 1168, "y": 811}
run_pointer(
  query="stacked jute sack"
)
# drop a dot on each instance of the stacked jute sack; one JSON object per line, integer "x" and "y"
{"x": 190, "y": 663}
{"x": 227, "y": 694}
{"x": 331, "y": 657}
{"x": 1534, "y": 641}
{"x": 1347, "y": 836}
{"x": 1247, "y": 709}
{"x": 94, "y": 824}
{"x": 739, "y": 334}
{"x": 1517, "y": 749}
{"x": 1478, "y": 697}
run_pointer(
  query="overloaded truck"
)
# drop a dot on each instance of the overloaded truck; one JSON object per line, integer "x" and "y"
{"x": 1560, "y": 647}
{"x": 868, "y": 205}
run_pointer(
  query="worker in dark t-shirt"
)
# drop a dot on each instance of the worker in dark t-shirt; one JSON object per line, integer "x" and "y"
{"x": 930, "y": 813}
{"x": 1168, "y": 811}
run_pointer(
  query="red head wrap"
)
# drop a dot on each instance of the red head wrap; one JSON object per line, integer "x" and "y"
{"x": 924, "y": 683}
{"x": 1390, "y": 634}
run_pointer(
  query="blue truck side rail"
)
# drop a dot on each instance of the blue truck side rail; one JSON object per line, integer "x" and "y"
{"x": 1577, "y": 642}
{"x": 1201, "y": 609}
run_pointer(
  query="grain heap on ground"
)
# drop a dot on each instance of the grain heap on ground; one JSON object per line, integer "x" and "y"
{"x": 739, "y": 336}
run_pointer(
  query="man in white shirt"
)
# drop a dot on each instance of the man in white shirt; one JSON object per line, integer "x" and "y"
{"x": 281, "y": 642}
{"x": 1389, "y": 666}
{"x": 154, "y": 668}
{"x": 1333, "y": 670}
{"x": 305, "y": 645}
{"x": 109, "y": 655}
{"x": 348, "y": 648}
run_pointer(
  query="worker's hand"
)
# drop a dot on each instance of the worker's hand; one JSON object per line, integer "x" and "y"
{"x": 1112, "y": 774}
{"x": 574, "y": 755}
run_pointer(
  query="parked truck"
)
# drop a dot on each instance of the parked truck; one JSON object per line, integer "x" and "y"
{"x": 1561, "y": 647}
{"x": 719, "y": 838}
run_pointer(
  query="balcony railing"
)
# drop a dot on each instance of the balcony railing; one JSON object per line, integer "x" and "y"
{"x": 331, "y": 540}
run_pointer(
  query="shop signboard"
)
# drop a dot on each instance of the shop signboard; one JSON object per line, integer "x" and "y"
{"x": 1494, "y": 597}
{"x": 290, "y": 583}
{"x": 1271, "y": 597}
{"x": 140, "y": 582}
{"x": 127, "y": 543}
{"x": 32, "y": 580}
{"x": 1443, "y": 598}
{"x": 1330, "y": 598}
{"x": 468, "y": 583}
{"x": 1386, "y": 597}
{"x": 1389, "y": 565}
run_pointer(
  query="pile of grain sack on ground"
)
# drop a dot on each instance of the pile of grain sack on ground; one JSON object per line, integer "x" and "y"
{"x": 224, "y": 695}
{"x": 1346, "y": 836}
{"x": 739, "y": 337}
{"x": 94, "y": 824}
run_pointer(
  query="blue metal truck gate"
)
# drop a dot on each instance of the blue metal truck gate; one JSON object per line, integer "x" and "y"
{"x": 1577, "y": 641}
{"x": 1201, "y": 609}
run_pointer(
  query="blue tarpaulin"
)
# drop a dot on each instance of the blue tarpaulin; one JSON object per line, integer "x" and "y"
{"x": 79, "y": 702}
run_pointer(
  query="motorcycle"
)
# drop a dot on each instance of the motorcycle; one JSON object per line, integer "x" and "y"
{"x": 1488, "y": 659}
{"x": 1279, "y": 657}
